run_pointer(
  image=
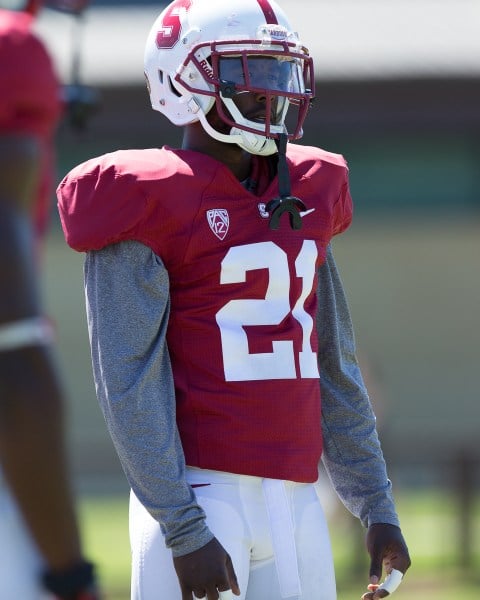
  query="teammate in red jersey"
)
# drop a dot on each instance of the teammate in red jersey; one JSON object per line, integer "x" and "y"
{"x": 40, "y": 549}
{"x": 222, "y": 347}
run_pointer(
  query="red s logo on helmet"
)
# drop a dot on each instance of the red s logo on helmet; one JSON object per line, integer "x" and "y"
{"x": 168, "y": 35}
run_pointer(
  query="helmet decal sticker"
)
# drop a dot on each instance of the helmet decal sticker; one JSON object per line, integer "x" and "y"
{"x": 169, "y": 34}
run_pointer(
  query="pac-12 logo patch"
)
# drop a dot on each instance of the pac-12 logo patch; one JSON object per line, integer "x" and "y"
{"x": 219, "y": 221}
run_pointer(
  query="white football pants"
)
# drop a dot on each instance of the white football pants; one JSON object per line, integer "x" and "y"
{"x": 274, "y": 531}
{"x": 20, "y": 562}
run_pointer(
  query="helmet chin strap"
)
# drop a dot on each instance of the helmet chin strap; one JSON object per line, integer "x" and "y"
{"x": 255, "y": 143}
{"x": 286, "y": 203}
{"x": 250, "y": 142}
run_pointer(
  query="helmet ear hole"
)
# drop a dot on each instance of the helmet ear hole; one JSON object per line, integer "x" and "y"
{"x": 173, "y": 89}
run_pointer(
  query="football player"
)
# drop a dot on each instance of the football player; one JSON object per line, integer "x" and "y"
{"x": 40, "y": 549}
{"x": 222, "y": 346}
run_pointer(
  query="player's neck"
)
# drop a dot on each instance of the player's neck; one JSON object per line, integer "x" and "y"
{"x": 231, "y": 155}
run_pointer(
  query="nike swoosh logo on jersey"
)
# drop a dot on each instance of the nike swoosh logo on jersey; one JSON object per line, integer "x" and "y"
{"x": 306, "y": 212}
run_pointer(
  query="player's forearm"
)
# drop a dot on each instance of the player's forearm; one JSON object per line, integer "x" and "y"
{"x": 354, "y": 461}
{"x": 33, "y": 454}
{"x": 151, "y": 456}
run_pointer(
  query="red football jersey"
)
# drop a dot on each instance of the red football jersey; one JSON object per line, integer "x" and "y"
{"x": 241, "y": 334}
{"x": 29, "y": 95}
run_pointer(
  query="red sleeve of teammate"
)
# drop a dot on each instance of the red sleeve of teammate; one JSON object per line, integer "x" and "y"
{"x": 30, "y": 101}
{"x": 29, "y": 98}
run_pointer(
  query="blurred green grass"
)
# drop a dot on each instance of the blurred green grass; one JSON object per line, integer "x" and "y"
{"x": 429, "y": 520}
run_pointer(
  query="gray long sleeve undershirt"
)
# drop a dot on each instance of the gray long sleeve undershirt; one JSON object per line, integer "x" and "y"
{"x": 352, "y": 454}
{"x": 127, "y": 296}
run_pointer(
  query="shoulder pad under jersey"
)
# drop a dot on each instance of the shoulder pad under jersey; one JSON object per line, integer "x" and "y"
{"x": 107, "y": 199}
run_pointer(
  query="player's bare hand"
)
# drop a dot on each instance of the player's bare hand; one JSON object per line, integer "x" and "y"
{"x": 389, "y": 553}
{"x": 206, "y": 573}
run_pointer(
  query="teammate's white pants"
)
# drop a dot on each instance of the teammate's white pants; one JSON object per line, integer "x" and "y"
{"x": 243, "y": 512}
{"x": 20, "y": 563}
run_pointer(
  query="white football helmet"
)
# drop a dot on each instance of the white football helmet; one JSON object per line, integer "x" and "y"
{"x": 202, "y": 53}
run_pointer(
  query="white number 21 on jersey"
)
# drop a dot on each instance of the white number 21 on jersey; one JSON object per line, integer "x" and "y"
{"x": 239, "y": 363}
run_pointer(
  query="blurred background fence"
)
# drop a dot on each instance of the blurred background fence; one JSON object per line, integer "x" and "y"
{"x": 398, "y": 93}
